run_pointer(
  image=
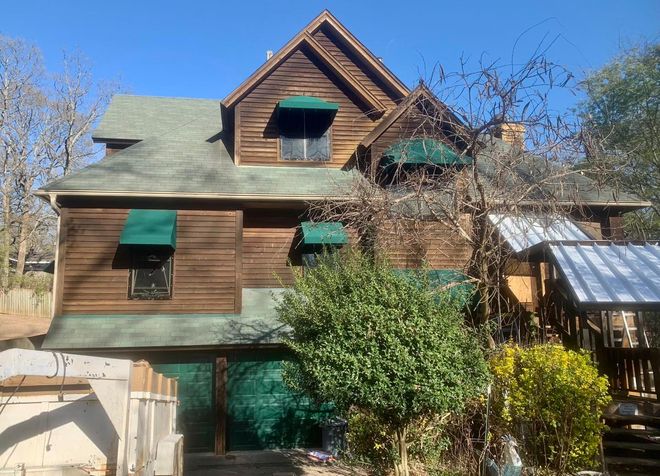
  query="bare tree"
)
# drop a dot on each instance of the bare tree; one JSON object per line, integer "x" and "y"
{"x": 45, "y": 121}
{"x": 501, "y": 148}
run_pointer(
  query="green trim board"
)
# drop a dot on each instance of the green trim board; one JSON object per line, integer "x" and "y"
{"x": 422, "y": 151}
{"x": 149, "y": 227}
{"x": 323, "y": 233}
{"x": 307, "y": 102}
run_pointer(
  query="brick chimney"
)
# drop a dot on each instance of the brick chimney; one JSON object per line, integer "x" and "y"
{"x": 512, "y": 133}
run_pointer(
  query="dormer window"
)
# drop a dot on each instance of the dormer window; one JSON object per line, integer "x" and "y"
{"x": 420, "y": 158}
{"x": 304, "y": 123}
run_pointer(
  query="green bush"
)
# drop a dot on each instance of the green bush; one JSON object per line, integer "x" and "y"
{"x": 550, "y": 399}
{"x": 365, "y": 336}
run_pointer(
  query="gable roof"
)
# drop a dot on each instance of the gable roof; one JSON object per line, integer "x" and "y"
{"x": 184, "y": 156}
{"x": 421, "y": 92}
{"x": 305, "y": 38}
{"x": 576, "y": 189}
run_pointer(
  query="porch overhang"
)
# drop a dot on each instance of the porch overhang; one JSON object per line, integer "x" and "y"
{"x": 608, "y": 275}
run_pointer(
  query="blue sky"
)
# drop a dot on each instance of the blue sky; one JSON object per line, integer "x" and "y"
{"x": 205, "y": 49}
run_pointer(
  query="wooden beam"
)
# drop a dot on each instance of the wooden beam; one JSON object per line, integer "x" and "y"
{"x": 221, "y": 405}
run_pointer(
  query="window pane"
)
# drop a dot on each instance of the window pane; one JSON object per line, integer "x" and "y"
{"x": 151, "y": 274}
{"x": 304, "y": 135}
{"x": 292, "y": 148}
{"x": 318, "y": 148}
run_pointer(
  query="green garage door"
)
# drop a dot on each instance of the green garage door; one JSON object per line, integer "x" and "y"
{"x": 196, "y": 411}
{"x": 261, "y": 411}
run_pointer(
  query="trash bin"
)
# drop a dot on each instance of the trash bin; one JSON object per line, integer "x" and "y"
{"x": 333, "y": 435}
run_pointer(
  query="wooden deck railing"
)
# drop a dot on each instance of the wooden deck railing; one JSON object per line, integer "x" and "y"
{"x": 632, "y": 371}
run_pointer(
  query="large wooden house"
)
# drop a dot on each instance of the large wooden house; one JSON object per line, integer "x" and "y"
{"x": 174, "y": 246}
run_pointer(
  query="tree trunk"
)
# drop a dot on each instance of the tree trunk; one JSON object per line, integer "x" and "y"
{"x": 22, "y": 251}
{"x": 401, "y": 466}
{"x": 6, "y": 241}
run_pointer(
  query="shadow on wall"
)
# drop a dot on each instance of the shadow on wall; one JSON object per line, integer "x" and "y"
{"x": 59, "y": 426}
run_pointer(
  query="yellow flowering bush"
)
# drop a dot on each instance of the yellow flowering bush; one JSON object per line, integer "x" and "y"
{"x": 551, "y": 400}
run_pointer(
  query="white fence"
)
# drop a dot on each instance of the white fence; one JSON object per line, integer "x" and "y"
{"x": 25, "y": 302}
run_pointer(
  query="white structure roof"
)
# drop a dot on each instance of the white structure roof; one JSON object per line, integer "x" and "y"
{"x": 610, "y": 275}
{"x": 523, "y": 232}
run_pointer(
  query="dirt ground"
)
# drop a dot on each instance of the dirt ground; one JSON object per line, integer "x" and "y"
{"x": 15, "y": 327}
{"x": 263, "y": 463}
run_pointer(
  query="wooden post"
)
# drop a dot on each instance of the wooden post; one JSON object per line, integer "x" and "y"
{"x": 221, "y": 405}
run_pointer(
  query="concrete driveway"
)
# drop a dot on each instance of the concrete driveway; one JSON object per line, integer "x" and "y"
{"x": 262, "y": 463}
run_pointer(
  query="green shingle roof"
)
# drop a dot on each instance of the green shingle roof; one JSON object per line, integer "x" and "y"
{"x": 139, "y": 117}
{"x": 257, "y": 324}
{"x": 574, "y": 188}
{"x": 182, "y": 153}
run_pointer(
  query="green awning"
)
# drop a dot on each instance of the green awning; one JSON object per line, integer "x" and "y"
{"x": 422, "y": 151}
{"x": 149, "y": 227}
{"x": 307, "y": 102}
{"x": 458, "y": 284}
{"x": 324, "y": 233}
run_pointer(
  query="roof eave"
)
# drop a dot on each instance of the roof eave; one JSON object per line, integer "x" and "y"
{"x": 43, "y": 193}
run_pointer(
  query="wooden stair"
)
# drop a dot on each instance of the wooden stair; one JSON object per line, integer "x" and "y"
{"x": 632, "y": 444}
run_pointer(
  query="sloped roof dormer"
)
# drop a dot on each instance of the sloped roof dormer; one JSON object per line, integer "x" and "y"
{"x": 306, "y": 39}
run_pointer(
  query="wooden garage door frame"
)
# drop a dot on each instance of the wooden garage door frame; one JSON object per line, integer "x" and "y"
{"x": 221, "y": 405}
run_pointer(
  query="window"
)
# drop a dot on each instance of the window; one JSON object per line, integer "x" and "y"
{"x": 305, "y": 135}
{"x": 310, "y": 259}
{"x": 151, "y": 273}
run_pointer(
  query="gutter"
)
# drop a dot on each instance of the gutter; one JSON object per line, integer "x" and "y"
{"x": 47, "y": 196}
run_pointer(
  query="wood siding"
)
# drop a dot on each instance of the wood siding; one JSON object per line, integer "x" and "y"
{"x": 412, "y": 123}
{"x": 257, "y": 133}
{"x": 95, "y": 279}
{"x": 269, "y": 244}
{"x": 360, "y": 71}
{"x": 433, "y": 244}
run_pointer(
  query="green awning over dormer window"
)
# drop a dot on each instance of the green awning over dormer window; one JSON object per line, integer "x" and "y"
{"x": 307, "y": 102}
{"x": 323, "y": 233}
{"x": 422, "y": 151}
{"x": 149, "y": 227}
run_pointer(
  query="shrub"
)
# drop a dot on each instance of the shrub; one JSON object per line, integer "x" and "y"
{"x": 551, "y": 400}
{"x": 370, "y": 441}
{"x": 365, "y": 336}
{"x": 438, "y": 445}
